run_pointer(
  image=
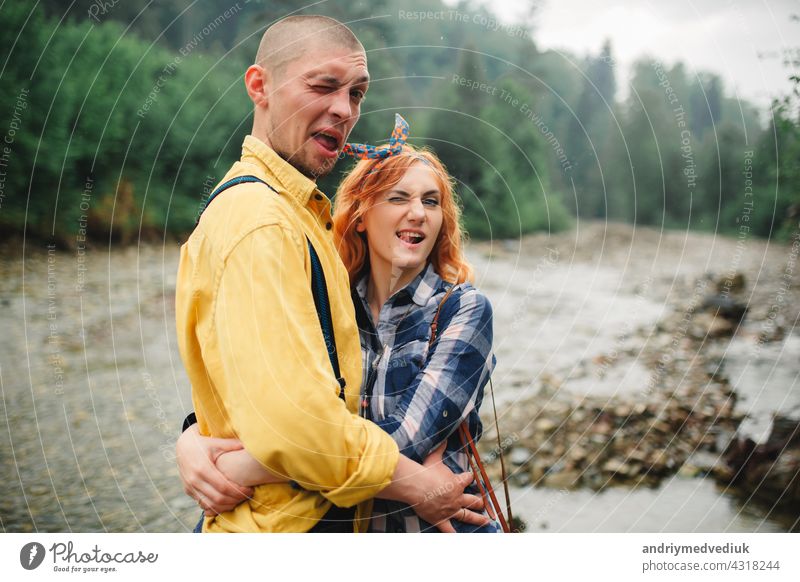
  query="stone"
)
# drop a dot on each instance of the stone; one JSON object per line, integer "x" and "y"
{"x": 614, "y": 466}
{"x": 563, "y": 479}
{"x": 577, "y": 453}
{"x": 733, "y": 284}
{"x": 623, "y": 411}
{"x": 519, "y": 456}
{"x": 545, "y": 425}
{"x": 537, "y": 473}
{"x": 688, "y": 471}
{"x": 706, "y": 325}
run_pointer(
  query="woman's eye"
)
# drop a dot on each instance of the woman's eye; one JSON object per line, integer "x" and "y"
{"x": 396, "y": 199}
{"x": 431, "y": 202}
{"x": 357, "y": 95}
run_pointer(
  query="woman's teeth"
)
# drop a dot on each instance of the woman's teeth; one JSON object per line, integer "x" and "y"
{"x": 410, "y": 237}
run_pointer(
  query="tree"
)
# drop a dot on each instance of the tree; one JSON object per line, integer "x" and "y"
{"x": 588, "y": 133}
{"x": 462, "y": 141}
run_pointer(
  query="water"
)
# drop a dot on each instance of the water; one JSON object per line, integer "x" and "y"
{"x": 678, "y": 505}
{"x": 92, "y": 391}
{"x": 92, "y": 394}
{"x": 768, "y": 378}
{"x": 553, "y": 318}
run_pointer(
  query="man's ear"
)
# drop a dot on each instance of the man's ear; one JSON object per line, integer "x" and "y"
{"x": 257, "y": 82}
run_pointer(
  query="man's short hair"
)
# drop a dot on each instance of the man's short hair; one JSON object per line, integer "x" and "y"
{"x": 291, "y": 37}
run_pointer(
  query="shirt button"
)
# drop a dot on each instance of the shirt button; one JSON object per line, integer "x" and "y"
{"x": 444, "y": 414}
{"x": 329, "y": 225}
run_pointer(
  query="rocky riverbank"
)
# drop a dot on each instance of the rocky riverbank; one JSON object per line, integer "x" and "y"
{"x": 659, "y": 400}
{"x": 682, "y": 419}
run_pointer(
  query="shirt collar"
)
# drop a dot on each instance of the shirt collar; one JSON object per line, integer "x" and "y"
{"x": 421, "y": 288}
{"x": 296, "y": 184}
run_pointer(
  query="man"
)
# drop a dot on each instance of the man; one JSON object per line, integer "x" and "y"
{"x": 248, "y": 330}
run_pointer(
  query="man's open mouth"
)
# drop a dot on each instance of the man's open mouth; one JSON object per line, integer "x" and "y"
{"x": 329, "y": 141}
{"x": 410, "y": 237}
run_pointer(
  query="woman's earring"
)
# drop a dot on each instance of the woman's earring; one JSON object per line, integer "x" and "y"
{"x": 360, "y": 226}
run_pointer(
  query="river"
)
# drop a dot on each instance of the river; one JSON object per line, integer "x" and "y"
{"x": 93, "y": 390}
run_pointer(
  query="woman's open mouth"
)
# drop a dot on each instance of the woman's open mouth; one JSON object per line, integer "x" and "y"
{"x": 410, "y": 238}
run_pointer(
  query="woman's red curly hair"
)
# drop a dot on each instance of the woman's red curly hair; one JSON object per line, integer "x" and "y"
{"x": 372, "y": 177}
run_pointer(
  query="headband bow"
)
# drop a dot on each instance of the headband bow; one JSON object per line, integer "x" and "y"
{"x": 362, "y": 151}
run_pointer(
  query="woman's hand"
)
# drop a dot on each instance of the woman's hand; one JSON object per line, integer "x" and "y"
{"x": 202, "y": 480}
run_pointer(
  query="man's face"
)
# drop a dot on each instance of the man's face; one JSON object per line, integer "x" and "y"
{"x": 314, "y": 104}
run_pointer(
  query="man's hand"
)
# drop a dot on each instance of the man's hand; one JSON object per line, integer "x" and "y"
{"x": 201, "y": 479}
{"x": 434, "y": 492}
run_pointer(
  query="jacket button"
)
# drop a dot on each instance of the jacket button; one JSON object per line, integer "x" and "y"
{"x": 329, "y": 225}
{"x": 318, "y": 196}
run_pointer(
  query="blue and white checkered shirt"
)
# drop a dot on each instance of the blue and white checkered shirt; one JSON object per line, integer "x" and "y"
{"x": 421, "y": 398}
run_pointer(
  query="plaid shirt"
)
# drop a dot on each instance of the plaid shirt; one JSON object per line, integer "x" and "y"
{"x": 421, "y": 398}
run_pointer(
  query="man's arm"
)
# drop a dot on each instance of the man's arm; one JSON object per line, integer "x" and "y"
{"x": 431, "y": 489}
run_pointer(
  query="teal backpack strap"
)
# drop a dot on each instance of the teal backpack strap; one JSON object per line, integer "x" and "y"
{"x": 232, "y": 182}
{"x": 320, "y": 291}
{"x": 319, "y": 288}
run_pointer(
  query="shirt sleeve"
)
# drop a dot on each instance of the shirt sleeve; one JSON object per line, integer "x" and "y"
{"x": 276, "y": 382}
{"x": 445, "y": 392}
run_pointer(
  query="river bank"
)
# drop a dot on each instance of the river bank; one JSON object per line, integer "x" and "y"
{"x": 651, "y": 355}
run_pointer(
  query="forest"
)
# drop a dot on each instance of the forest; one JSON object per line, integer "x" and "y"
{"x": 119, "y": 115}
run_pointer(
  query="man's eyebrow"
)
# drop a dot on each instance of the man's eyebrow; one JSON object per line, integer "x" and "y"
{"x": 335, "y": 82}
{"x": 330, "y": 79}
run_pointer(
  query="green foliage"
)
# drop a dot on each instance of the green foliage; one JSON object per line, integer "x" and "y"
{"x": 777, "y": 168}
{"x": 120, "y": 120}
{"x": 683, "y": 154}
{"x": 137, "y": 123}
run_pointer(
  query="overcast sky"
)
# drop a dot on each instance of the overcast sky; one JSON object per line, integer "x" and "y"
{"x": 722, "y": 36}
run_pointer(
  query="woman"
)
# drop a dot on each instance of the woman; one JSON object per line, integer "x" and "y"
{"x": 396, "y": 223}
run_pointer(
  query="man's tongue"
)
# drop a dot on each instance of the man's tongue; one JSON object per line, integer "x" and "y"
{"x": 327, "y": 142}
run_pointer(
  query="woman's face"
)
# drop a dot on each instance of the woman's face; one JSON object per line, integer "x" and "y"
{"x": 404, "y": 223}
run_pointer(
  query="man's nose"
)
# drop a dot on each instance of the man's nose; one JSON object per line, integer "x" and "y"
{"x": 340, "y": 104}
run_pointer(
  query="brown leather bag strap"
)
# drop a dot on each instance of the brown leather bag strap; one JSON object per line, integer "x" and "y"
{"x": 465, "y": 430}
{"x": 476, "y": 465}
{"x": 462, "y": 429}
{"x": 435, "y": 322}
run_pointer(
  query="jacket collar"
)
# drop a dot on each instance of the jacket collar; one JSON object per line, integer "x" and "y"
{"x": 298, "y": 186}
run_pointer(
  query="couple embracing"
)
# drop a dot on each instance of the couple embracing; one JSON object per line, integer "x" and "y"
{"x": 337, "y": 356}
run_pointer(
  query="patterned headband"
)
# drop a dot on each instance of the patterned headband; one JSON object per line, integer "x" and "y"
{"x": 362, "y": 151}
